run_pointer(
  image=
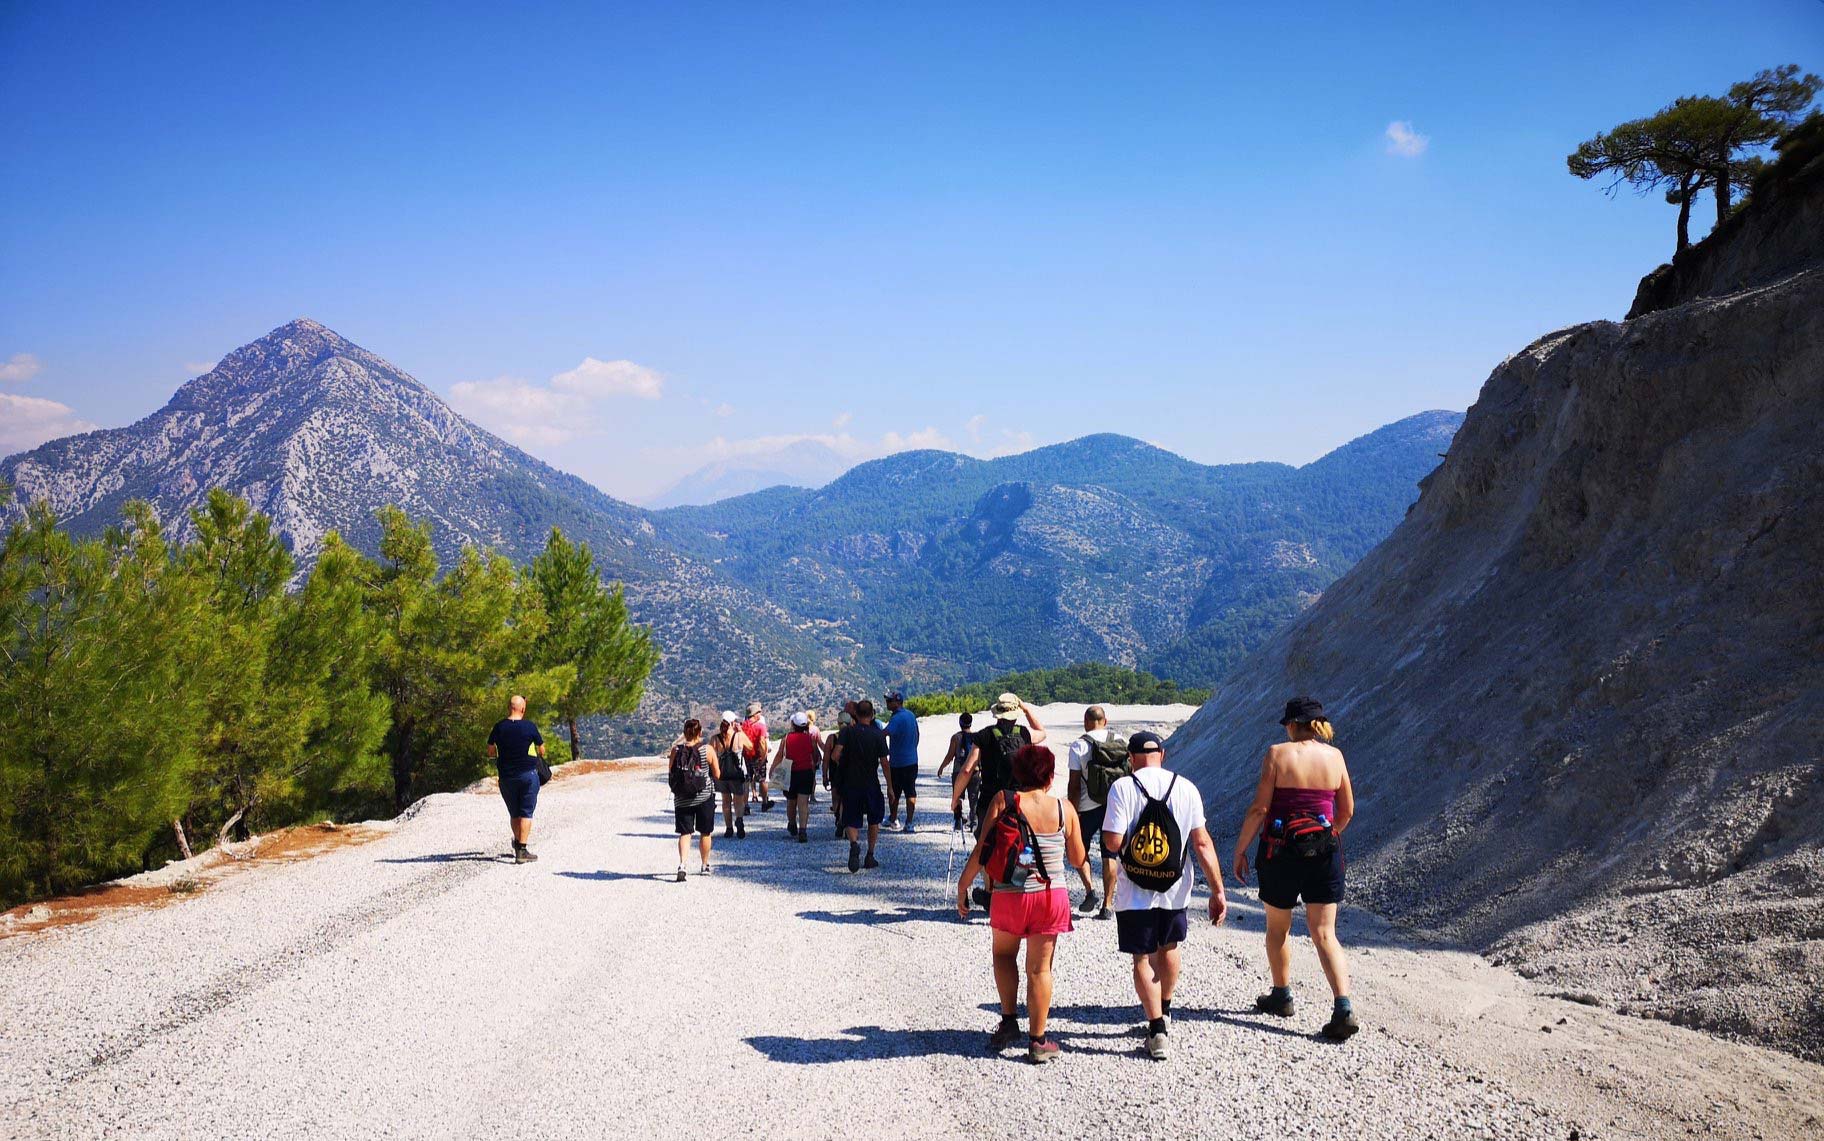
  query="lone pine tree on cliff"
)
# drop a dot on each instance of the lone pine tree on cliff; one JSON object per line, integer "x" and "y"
{"x": 1700, "y": 142}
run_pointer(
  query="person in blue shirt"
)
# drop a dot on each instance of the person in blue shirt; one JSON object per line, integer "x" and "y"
{"x": 902, "y": 770}
{"x": 515, "y": 746}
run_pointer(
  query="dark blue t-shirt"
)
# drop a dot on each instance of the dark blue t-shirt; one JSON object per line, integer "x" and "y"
{"x": 515, "y": 739}
{"x": 863, "y": 748}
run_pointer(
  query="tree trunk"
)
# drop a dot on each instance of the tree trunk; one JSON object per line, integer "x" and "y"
{"x": 1722, "y": 196}
{"x": 183, "y": 841}
{"x": 1684, "y": 222}
{"x": 576, "y": 754}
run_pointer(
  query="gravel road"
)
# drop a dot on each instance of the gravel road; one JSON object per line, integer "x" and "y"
{"x": 421, "y": 986}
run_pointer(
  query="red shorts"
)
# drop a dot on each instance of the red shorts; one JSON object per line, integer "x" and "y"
{"x": 1025, "y": 913}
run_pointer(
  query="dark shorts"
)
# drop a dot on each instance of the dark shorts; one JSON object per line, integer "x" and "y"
{"x": 863, "y": 803}
{"x": 804, "y": 782}
{"x": 905, "y": 781}
{"x": 1091, "y": 819}
{"x": 732, "y": 788}
{"x": 1153, "y": 929}
{"x": 756, "y": 770}
{"x": 1286, "y": 878}
{"x": 520, "y": 791}
{"x": 698, "y": 818}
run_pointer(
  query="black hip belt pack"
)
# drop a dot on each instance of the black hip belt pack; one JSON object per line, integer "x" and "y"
{"x": 1303, "y": 836}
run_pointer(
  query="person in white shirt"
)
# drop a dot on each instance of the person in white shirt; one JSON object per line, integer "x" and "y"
{"x": 1090, "y": 810}
{"x": 1151, "y": 921}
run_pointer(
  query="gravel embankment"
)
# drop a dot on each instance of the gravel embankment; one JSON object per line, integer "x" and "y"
{"x": 418, "y": 986}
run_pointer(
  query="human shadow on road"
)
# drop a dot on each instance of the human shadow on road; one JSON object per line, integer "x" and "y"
{"x": 609, "y": 877}
{"x": 452, "y": 858}
{"x": 1127, "y": 1017}
{"x": 867, "y": 1043}
{"x": 871, "y": 916}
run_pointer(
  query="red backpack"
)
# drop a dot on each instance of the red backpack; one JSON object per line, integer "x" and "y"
{"x": 1009, "y": 843}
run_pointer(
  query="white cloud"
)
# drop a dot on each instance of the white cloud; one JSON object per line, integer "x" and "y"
{"x": 27, "y": 421}
{"x": 842, "y": 420}
{"x": 198, "y": 368}
{"x": 855, "y": 449}
{"x": 554, "y": 413}
{"x": 597, "y": 379}
{"x": 725, "y": 409}
{"x": 1402, "y": 140}
{"x": 20, "y": 366}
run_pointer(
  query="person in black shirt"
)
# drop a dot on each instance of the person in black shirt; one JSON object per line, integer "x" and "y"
{"x": 860, "y": 761}
{"x": 990, "y": 752}
{"x": 515, "y": 746}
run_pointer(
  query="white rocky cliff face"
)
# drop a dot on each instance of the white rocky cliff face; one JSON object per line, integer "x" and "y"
{"x": 1581, "y": 687}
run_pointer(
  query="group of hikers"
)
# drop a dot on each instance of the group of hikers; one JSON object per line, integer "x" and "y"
{"x": 1119, "y": 799}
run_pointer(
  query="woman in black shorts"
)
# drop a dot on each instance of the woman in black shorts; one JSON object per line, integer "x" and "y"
{"x": 1301, "y": 806}
{"x": 695, "y": 813}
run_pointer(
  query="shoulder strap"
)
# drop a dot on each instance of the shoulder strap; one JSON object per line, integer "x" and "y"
{"x": 1149, "y": 796}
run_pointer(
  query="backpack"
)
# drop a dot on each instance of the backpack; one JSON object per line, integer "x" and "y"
{"x": 1153, "y": 856}
{"x": 1004, "y": 843}
{"x": 689, "y": 774}
{"x": 996, "y": 765}
{"x": 754, "y": 748}
{"x": 1107, "y": 763}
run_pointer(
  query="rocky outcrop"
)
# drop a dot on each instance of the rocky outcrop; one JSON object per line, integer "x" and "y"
{"x": 1581, "y": 686}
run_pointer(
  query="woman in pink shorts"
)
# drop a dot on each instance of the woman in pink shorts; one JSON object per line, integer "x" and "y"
{"x": 1030, "y": 898}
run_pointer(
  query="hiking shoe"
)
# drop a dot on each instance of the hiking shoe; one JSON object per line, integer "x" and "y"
{"x": 1158, "y": 1046}
{"x": 1041, "y": 1050}
{"x": 803, "y": 838}
{"x": 1005, "y": 1035}
{"x": 1106, "y": 913}
{"x": 981, "y": 897}
{"x": 728, "y": 833}
{"x": 680, "y": 873}
{"x": 854, "y": 856}
{"x": 524, "y": 856}
{"x": 870, "y": 862}
{"x": 705, "y": 870}
{"x": 741, "y": 827}
{"x": 1277, "y": 1007}
{"x": 1091, "y": 902}
{"x": 908, "y": 828}
{"x": 892, "y": 822}
{"x": 1341, "y": 1027}
{"x": 766, "y": 806}
{"x": 791, "y": 831}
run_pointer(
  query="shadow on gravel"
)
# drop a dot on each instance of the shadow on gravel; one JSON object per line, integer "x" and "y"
{"x": 871, "y": 916}
{"x": 610, "y": 877}
{"x": 452, "y": 858}
{"x": 867, "y": 1043}
{"x": 1123, "y": 1021}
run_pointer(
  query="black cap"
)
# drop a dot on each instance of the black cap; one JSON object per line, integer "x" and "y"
{"x": 895, "y": 695}
{"x": 1303, "y": 711}
{"x": 1145, "y": 741}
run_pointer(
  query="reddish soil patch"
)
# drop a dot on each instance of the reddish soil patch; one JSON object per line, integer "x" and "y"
{"x": 287, "y": 845}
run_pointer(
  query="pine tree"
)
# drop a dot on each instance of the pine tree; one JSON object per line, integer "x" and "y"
{"x": 588, "y": 629}
{"x": 98, "y": 702}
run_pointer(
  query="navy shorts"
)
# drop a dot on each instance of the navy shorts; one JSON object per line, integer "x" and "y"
{"x": 1091, "y": 820}
{"x": 1287, "y": 878}
{"x": 1152, "y": 929}
{"x": 520, "y": 791}
{"x": 860, "y": 803}
{"x": 905, "y": 781}
{"x": 804, "y": 781}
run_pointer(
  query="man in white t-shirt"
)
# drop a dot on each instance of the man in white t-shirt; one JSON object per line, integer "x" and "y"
{"x": 1090, "y": 810}
{"x": 1150, "y": 924}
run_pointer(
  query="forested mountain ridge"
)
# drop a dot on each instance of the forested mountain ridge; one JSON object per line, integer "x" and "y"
{"x": 924, "y": 568}
{"x": 948, "y": 568}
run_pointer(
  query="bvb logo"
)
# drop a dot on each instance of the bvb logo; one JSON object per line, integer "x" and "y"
{"x": 1149, "y": 846}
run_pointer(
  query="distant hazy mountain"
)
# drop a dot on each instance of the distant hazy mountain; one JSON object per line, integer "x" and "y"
{"x": 807, "y": 464}
{"x": 924, "y": 567}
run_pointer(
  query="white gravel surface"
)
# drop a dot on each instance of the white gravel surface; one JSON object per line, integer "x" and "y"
{"x": 420, "y": 986}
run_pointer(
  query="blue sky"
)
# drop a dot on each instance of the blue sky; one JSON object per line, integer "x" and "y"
{"x": 977, "y": 226}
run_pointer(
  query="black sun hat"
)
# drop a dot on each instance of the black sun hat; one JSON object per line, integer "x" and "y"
{"x": 1303, "y": 711}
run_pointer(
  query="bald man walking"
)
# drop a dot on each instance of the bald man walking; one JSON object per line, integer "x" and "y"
{"x": 516, "y": 746}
